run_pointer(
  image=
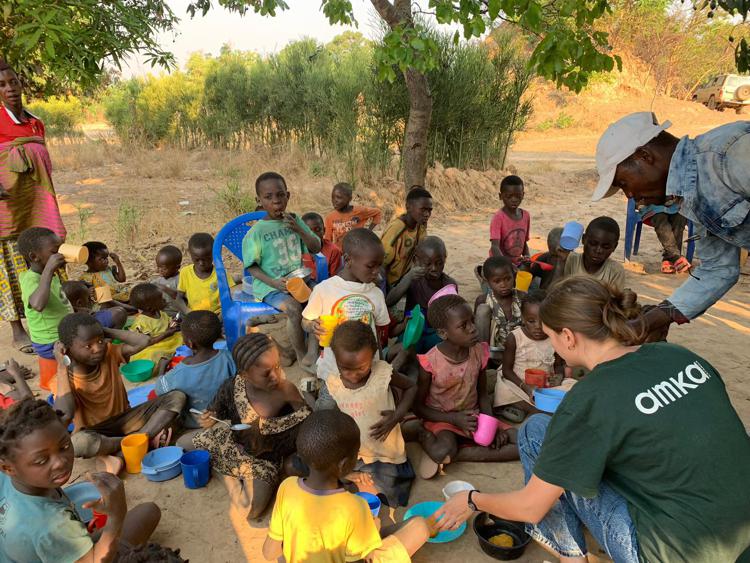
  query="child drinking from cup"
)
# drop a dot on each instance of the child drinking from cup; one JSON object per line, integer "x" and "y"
{"x": 510, "y": 226}
{"x": 346, "y": 216}
{"x": 198, "y": 285}
{"x": 316, "y": 519}
{"x": 101, "y": 274}
{"x": 498, "y": 312}
{"x": 151, "y": 320}
{"x": 39, "y": 522}
{"x": 79, "y": 296}
{"x": 364, "y": 389}
{"x": 168, "y": 264}
{"x": 452, "y": 392}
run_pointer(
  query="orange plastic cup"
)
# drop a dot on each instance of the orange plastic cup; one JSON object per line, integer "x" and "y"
{"x": 329, "y": 323}
{"x": 299, "y": 290}
{"x": 523, "y": 280}
{"x": 47, "y": 372}
{"x": 74, "y": 254}
{"x": 536, "y": 377}
{"x": 134, "y": 449}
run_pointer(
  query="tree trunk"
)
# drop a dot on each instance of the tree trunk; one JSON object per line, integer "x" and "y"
{"x": 417, "y": 127}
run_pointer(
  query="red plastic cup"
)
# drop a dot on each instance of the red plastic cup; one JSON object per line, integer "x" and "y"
{"x": 97, "y": 522}
{"x": 536, "y": 377}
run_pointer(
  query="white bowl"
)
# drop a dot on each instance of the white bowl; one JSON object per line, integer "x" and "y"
{"x": 455, "y": 487}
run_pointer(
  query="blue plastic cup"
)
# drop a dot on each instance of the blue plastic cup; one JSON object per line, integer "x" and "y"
{"x": 372, "y": 501}
{"x": 196, "y": 468}
{"x": 571, "y": 235}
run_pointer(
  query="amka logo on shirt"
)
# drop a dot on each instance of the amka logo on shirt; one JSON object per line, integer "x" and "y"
{"x": 672, "y": 389}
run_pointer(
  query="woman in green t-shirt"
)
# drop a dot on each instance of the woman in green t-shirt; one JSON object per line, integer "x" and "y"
{"x": 646, "y": 451}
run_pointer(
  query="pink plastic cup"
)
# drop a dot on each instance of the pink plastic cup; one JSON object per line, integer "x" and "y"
{"x": 486, "y": 430}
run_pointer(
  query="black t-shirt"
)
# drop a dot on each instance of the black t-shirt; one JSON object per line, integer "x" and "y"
{"x": 658, "y": 426}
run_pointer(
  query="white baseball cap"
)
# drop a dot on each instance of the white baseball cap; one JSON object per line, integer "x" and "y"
{"x": 619, "y": 141}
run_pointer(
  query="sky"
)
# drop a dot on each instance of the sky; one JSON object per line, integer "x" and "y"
{"x": 251, "y": 32}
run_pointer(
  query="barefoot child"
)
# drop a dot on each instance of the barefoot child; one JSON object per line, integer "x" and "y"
{"x": 363, "y": 388}
{"x": 316, "y": 520}
{"x": 452, "y": 391}
{"x": 151, "y": 320}
{"x": 168, "y": 264}
{"x": 331, "y": 251}
{"x": 510, "y": 226}
{"x": 346, "y": 216}
{"x": 100, "y": 273}
{"x": 273, "y": 249}
{"x": 201, "y": 375}
{"x": 39, "y": 522}
{"x": 44, "y": 302}
{"x": 198, "y": 286}
{"x": 90, "y": 390}
{"x": 498, "y": 312}
{"x": 599, "y": 242}
{"x": 79, "y": 296}
{"x": 261, "y": 396}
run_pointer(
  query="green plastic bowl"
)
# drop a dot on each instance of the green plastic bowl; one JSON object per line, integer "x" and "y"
{"x": 138, "y": 370}
{"x": 414, "y": 327}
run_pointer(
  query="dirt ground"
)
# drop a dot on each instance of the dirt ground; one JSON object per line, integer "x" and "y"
{"x": 174, "y": 193}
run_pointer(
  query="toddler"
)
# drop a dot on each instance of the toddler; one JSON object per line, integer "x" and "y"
{"x": 273, "y": 249}
{"x": 498, "y": 312}
{"x": 199, "y": 376}
{"x": 315, "y": 519}
{"x": 362, "y": 388}
{"x": 526, "y": 347}
{"x": 99, "y": 273}
{"x": 402, "y": 236}
{"x": 79, "y": 296}
{"x": 452, "y": 391}
{"x": 151, "y": 320}
{"x": 543, "y": 264}
{"x": 168, "y": 264}
{"x": 510, "y": 226}
{"x": 346, "y": 216}
{"x": 599, "y": 242}
{"x": 198, "y": 286}
{"x": 44, "y": 302}
{"x": 330, "y": 250}
{"x": 39, "y": 522}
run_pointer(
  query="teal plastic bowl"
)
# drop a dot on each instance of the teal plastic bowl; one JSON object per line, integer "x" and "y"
{"x": 548, "y": 400}
{"x": 138, "y": 370}
{"x": 427, "y": 509}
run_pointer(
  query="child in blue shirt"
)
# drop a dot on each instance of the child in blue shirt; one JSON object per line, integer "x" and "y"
{"x": 272, "y": 250}
{"x": 200, "y": 375}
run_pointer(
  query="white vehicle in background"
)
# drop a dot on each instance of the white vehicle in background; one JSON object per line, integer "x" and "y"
{"x": 725, "y": 91}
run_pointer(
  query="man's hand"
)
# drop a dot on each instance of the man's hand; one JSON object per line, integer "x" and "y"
{"x": 382, "y": 428}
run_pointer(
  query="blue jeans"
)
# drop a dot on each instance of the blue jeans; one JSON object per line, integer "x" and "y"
{"x": 278, "y": 300}
{"x": 606, "y": 515}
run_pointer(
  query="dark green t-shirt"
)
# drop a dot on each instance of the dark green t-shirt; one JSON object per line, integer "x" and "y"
{"x": 657, "y": 425}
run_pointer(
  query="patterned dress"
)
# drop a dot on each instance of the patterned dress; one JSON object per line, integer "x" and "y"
{"x": 257, "y": 453}
{"x": 502, "y": 326}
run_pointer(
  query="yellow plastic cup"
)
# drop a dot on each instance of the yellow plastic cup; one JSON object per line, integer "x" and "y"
{"x": 134, "y": 449}
{"x": 74, "y": 254}
{"x": 298, "y": 289}
{"x": 329, "y": 324}
{"x": 523, "y": 280}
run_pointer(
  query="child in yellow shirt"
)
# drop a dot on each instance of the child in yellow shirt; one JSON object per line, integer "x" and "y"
{"x": 153, "y": 321}
{"x": 198, "y": 285}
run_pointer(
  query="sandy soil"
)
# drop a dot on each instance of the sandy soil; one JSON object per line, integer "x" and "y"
{"x": 559, "y": 185}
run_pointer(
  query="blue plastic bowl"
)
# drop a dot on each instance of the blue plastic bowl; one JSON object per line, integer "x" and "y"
{"x": 548, "y": 400}
{"x": 162, "y": 464}
{"x": 183, "y": 351}
{"x": 372, "y": 501}
{"x": 78, "y": 493}
{"x": 139, "y": 395}
{"x": 427, "y": 509}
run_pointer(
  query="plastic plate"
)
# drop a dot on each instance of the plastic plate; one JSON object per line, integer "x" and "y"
{"x": 427, "y": 509}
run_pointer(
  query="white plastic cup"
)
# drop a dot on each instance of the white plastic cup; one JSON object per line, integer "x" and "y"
{"x": 455, "y": 487}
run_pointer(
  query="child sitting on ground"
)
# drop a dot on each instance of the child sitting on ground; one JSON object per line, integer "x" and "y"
{"x": 349, "y": 296}
{"x": 151, "y": 320}
{"x": 316, "y": 519}
{"x": 39, "y": 522}
{"x": 13, "y": 386}
{"x": 363, "y": 389}
{"x": 79, "y": 296}
{"x": 402, "y": 236}
{"x": 199, "y": 376}
{"x": 198, "y": 286}
{"x": 599, "y": 242}
{"x": 346, "y": 216}
{"x": 44, "y": 302}
{"x": 168, "y": 264}
{"x": 90, "y": 391}
{"x": 498, "y": 312}
{"x": 510, "y": 226}
{"x": 260, "y": 395}
{"x": 328, "y": 249}
{"x": 542, "y": 265}
{"x": 526, "y": 347}
{"x": 452, "y": 391}
{"x": 272, "y": 250}
{"x": 99, "y": 273}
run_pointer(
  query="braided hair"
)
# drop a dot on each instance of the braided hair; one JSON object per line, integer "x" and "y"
{"x": 437, "y": 313}
{"x": 249, "y": 348}
{"x": 20, "y": 420}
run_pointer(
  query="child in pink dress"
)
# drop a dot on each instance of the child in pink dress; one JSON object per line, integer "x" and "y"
{"x": 452, "y": 391}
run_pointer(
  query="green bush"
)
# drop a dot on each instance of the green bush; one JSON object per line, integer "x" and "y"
{"x": 62, "y": 117}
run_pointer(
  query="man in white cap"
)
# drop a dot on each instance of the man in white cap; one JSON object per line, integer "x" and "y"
{"x": 708, "y": 177}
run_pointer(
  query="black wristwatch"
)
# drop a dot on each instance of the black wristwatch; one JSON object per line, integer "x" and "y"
{"x": 471, "y": 502}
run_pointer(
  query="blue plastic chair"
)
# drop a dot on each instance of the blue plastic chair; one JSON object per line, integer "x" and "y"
{"x": 235, "y": 314}
{"x": 633, "y": 227}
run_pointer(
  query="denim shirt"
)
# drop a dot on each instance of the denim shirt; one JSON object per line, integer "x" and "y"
{"x": 711, "y": 174}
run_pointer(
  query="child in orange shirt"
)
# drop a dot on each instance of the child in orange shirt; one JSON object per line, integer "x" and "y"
{"x": 346, "y": 216}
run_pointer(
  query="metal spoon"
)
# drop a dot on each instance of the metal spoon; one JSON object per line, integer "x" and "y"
{"x": 234, "y": 427}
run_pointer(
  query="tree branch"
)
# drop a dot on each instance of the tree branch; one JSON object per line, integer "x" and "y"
{"x": 387, "y": 11}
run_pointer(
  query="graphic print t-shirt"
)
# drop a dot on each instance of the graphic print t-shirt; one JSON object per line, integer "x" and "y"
{"x": 658, "y": 426}
{"x": 513, "y": 234}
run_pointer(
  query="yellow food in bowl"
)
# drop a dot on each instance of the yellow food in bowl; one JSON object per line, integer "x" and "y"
{"x": 501, "y": 540}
